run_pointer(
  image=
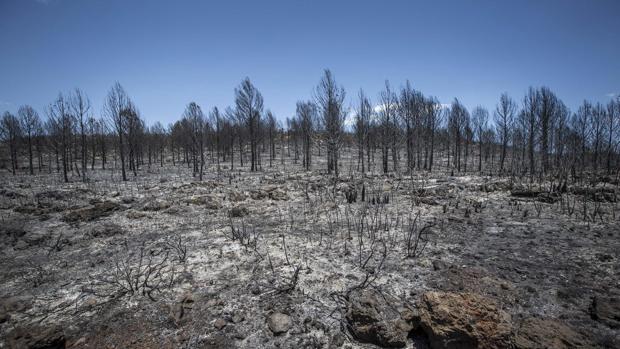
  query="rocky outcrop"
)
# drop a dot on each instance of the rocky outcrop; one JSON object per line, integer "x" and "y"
{"x": 98, "y": 210}
{"x": 37, "y": 338}
{"x": 606, "y": 310}
{"x": 372, "y": 320}
{"x": 463, "y": 320}
{"x": 547, "y": 333}
{"x": 279, "y": 323}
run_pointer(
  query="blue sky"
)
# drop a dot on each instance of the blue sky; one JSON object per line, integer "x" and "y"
{"x": 168, "y": 53}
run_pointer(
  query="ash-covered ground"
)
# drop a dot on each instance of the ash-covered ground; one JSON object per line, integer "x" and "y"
{"x": 285, "y": 258}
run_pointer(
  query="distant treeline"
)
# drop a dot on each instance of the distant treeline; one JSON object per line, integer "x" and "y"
{"x": 536, "y": 137}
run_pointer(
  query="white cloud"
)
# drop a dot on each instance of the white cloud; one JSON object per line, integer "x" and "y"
{"x": 612, "y": 94}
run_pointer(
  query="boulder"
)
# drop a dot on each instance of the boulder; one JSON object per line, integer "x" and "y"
{"x": 372, "y": 320}
{"x": 37, "y": 338}
{"x": 239, "y": 211}
{"x": 210, "y": 202}
{"x": 278, "y": 195}
{"x": 96, "y": 211}
{"x": 463, "y": 320}
{"x": 155, "y": 205}
{"x": 279, "y": 323}
{"x": 219, "y": 324}
{"x": 606, "y": 310}
{"x": 106, "y": 230}
{"x": 547, "y": 333}
{"x": 237, "y": 196}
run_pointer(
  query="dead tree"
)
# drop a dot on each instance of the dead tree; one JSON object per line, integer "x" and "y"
{"x": 480, "y": 118}
{"x": 362, "y": 127}
{"x": 387, "y": 120}
{"x": 61, "y": 124}
{"x": 612, "y": 126}
{"x": 30, "y": 125}
{"x": 10, "y": 131}
{"x": 196, "y": 122}
{"x": 80, "y": 108}
{"x": 249, "y": 104}
{"x": 116, "y": 104}
{"x": 271, "y": 130}
{"x": 330, "y": 101}
{"x": 504, "y": 118}
{"x": 306, "y": 115}
{"x": 530, "y": 112}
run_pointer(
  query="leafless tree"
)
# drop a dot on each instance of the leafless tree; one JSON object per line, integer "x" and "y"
{"x": 306, "y": 115}
{"x": 330, "y": 101}
{"x": 249, "y": 104}
{"x": 530, "y": 113}
{"x": 362, "y": 127}
{"x": 30, "y": 126}
{"x": 10, "y": 131}
{"x": 504, "y": 119}
{"x": 62, "y": 127}
{"x": 480, "y": 119}
{"x": 115, "y": 109}
{"x": 196, "y": 121}
{"x": 387, "y": 120}
{"x": 612, "y": 128}
{"x": 80, "y": 108}
{"x": 271, "y": 129}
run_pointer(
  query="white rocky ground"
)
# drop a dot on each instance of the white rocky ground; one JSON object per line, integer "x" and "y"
{"x": 495, "y": 266}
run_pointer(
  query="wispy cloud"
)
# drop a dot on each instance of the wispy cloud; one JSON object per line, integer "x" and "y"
{"x": 43, "y": 2}
{"x": 613, "y": 94}
{"x": 5, "y": 104}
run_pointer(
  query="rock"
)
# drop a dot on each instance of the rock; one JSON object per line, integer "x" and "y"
{"x": 12, "y": 231}
{"x": 37, "y": 338}
{"x": 132, "y": 214}
{"x": 606, "y": 310}
{"x": 237, "y": 196}
{"x": 336, "y": 341}
{"x": 548, "y": 334}
{"x": 209, "y": 201}
{"x": 372, "y": 320}
{"x": 463, "y": 320}
{"x": 439, "y": 265}
{"x": 258, "y": 194}
{"x": 12, "y": 305}
{"x": 278, "y": 195}
{"x": 98, "y": 210}
{"x": 156, "y": 205}
{"x": 238, "y": 317}
{"x": 219, "y": 324}
{"x": 106, "y": 230}
{"x": 239, "y": 211}
{"x": 279, "y": 323}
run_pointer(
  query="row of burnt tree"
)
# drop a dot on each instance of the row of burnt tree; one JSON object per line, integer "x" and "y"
{"x": 403, "y": 131}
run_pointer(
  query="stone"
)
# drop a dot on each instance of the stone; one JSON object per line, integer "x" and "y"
{"x": 210, "y": 202}
{"x": 98, "y": 210}
{"x": 372, "y": 320}
{"x": 336, "y": 341}
{"x": 238, "y": 317}
{"x": 463, "y": 320}
{"x": 37, "y": 338}
{"x": 106, "y": 230}
{"x": 606, "y": 310}
{"x": 239, "y": 211}
{"x": 219, "y": 324}
{"x": 237, "y": 196}
{"x": 156, "y": 205}
{"x": 549, "y": 334}
{"x": 278, "y": 195}
{"x": 439, "y": 265}
{"x": 279, "y": 323}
